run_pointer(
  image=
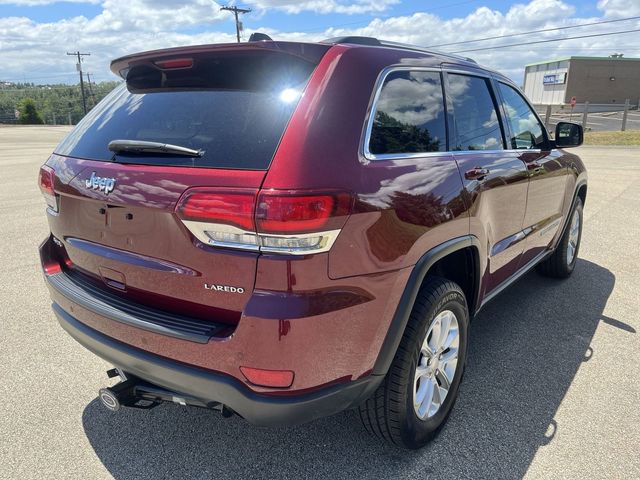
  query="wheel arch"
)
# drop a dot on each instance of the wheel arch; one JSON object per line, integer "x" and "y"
{"x": 580, "y": 191}
{"x": 438, "y": 259}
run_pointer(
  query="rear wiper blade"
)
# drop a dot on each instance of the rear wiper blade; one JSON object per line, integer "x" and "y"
{"x": 139, "y": 146}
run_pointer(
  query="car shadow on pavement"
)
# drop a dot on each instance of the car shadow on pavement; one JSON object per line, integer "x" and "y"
{"x": 526, "y": 348}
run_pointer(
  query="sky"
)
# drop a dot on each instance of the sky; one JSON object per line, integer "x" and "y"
{"x": 35, "y": 35}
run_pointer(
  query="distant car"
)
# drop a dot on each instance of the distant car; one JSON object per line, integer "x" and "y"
{"x": 286, "y": 230}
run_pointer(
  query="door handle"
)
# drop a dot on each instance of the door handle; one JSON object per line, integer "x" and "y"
{"x": 476, "y": 173}
{"x": 534, "y": 168}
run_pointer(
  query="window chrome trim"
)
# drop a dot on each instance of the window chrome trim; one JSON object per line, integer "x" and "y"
{"x": 510, "y": 150}
{"x": 374, "y": 105}
{"x": 368, "y": 156}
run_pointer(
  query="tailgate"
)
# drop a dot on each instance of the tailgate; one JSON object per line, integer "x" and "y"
{"x": 132, "y": 242}
{"x": 214, "y": 117}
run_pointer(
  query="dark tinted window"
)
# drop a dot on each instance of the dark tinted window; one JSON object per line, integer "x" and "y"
{"x": 475, "y": 118}
{"x": 409, "y": 114}
{"x": 526, "y": 131}
{"x": 236, "y": 110}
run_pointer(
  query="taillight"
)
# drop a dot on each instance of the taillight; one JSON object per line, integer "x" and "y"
{"x": 226, "y": 207}
{"x": 222, "y": 218}
{"x": 45, "y": 182}
{"x": 287, "y": 212}
{"x": 279, "y": 221}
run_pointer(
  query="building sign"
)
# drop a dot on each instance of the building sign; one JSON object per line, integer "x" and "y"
{"x": 554, "y": 79}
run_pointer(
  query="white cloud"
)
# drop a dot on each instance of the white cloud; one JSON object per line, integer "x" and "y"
{"x": 154, "y": 15}
{"x": 35, "y": 3}
{"x": 325, "y": 6}
{"x": 35, "y": 50}
{"x": 619, "y": 8}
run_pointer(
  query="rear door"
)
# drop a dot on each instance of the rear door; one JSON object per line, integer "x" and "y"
{"x": 117, "y": 215}
{"x": 495, "y": 180}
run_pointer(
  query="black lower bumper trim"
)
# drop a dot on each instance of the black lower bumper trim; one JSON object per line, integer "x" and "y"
{"x": 214, "y": 388}
{"x": 109, "y": 305}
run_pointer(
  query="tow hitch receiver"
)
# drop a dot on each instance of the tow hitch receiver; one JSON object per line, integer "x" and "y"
{"x": 136, "y": 393}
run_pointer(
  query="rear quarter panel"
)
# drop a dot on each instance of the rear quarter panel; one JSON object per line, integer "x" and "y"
{"x": 403, "y": 208}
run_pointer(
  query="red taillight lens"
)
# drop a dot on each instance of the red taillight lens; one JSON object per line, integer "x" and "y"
{"x": 175, "y": 63}
{"x": 286, "y": 212}
{"x": 268, "y": 378}
{"x": 223, "y": 207}
{"x": 45, "y": 182}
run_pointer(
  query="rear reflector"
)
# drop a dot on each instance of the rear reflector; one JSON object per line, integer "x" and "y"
{"x": 291, "y": 222}
{"x": 46, "y": 182}
{"x": 175, "y": 63}
{"x": 268, "y": 378}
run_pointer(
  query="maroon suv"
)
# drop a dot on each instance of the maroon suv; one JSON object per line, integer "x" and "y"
{"x": 286, "y": 230}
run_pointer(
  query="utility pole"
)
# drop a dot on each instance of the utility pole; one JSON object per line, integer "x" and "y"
{"x": 79, "y": 67}
{"x": 236, "y": 11}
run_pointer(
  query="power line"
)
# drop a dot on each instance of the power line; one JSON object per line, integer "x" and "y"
{"x": 484, "y": 39}
{"x": 22, "y": 80}
{"x": 546, "y": 41}
{"x": 80, "y": 55}
{"x": 399, "y": 14}
{"x": 236, "y": 11}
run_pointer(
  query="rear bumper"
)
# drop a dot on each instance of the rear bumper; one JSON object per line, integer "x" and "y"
{"x": 214, "y": 388}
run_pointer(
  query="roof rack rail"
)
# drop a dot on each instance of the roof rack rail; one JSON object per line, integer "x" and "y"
{"x": 374, "y": 42}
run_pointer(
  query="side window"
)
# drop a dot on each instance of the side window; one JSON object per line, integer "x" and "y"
{"x": 526, "y": 131}
{"x": 474, "y": 114}
{"x": 410, "y": 116}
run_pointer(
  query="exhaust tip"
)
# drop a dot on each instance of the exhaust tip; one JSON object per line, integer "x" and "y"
{"x": 109, "y": 399}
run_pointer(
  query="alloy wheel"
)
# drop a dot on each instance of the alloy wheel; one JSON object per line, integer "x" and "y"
{"x": 437, "y": 365}
{"x": 574, "y": 237}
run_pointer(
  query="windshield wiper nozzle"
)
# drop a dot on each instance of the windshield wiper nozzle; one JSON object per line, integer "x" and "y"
{"x": 141, "y": 147}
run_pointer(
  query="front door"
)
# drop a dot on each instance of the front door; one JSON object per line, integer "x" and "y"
{"x": 547, "y": 175}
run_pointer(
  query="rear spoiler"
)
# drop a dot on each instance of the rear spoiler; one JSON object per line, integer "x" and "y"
{"x": 311, "y": 52}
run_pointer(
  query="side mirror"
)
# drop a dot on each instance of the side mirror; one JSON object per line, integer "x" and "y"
{"x": 569, "y": 135}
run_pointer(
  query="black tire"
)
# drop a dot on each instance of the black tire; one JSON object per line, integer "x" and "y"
{"x": 557, "y": 265}
{"x": 389, "y": 414}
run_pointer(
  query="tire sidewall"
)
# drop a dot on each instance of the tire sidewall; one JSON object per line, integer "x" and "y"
{"x": 577, "y": 210}
{"x": 417, "y": 431}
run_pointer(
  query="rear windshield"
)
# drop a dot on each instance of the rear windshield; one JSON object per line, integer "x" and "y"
{"x": 234, "y": 108}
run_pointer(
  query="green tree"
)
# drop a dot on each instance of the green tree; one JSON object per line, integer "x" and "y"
{"x": 29, "y": 113}
{"x": 390, "y": 135}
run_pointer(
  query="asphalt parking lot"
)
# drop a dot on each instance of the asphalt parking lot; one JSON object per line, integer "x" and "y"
{"x": 597, "y": 121}
{"x": 552, "y": 388}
